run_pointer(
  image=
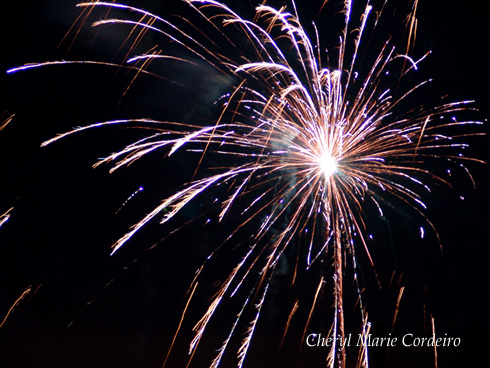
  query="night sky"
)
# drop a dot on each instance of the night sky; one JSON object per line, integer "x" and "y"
{"x": 88, "y": 309}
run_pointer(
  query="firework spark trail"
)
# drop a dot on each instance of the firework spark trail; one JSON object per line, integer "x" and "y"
{"x": 6, "y": 122}
{"x": 16, "y": 303}
{"x": 5, "y": 217}
{"x": 308, "y": 147}
{"x": 362, "y": 359}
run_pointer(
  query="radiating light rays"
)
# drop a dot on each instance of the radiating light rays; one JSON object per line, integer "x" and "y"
{"x": 301, "y": 148}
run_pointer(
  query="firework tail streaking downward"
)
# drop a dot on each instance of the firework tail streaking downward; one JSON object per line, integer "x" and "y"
{"x": 303, "y": 148}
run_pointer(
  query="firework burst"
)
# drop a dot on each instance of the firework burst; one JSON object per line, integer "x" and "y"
{"x": 302, "y": 146}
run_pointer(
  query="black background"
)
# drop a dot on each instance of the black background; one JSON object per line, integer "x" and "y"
{"x": 92, "y": 310}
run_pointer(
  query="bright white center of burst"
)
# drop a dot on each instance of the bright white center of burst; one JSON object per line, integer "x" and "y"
{"x": 327, "y": 164}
